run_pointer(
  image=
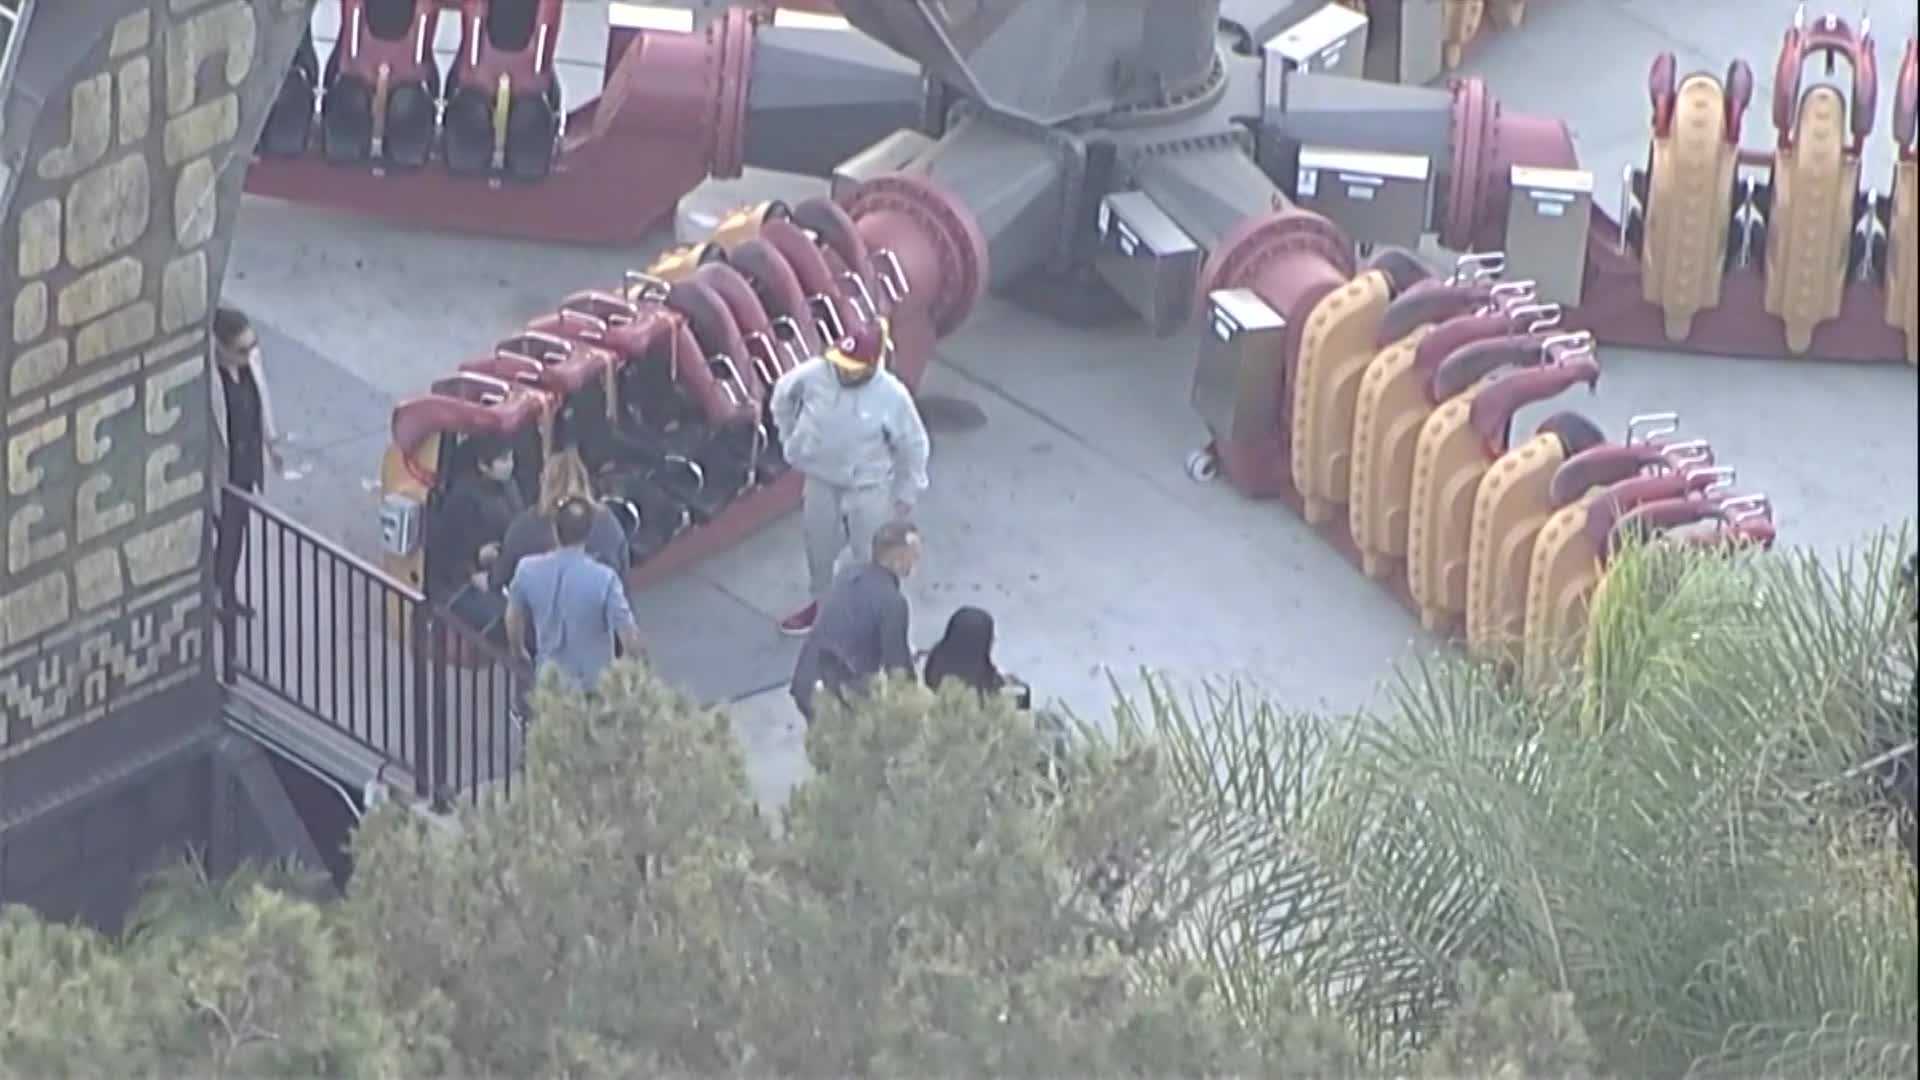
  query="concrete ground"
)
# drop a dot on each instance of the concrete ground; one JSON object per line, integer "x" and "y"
{"x": 1068, "y": 513}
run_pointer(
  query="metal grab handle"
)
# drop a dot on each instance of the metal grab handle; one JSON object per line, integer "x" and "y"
{"x": 1746, "y": 508}
{"x": 1539, "y": 317}
{"x": 508, "y": 352}
{"x": 893, "y": 277}
{"x": 1563, "y": 346}
{"x": 1693, "y": 451}
{"x": 692, "y": 466}
{"x": 1723, "y": 477}
{"x": 736, "y": 387}
{"x": 647, "y": 287}
{"x": 826, "y": 315}
{"x": 861, "y": 296}
{"x": 593, "y": 323}
{"x": 1649, "y": 426}
{"x": 1626, "y": 205}
{"x": 1479, "y": 266}
{"x": 767, "y": 363}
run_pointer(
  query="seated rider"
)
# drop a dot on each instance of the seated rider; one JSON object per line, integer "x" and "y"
{"x": 562, "y": 478}
{"x": 472, "y": 520}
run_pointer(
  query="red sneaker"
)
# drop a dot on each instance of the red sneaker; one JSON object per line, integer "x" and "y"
{"x": 800, "y": 622}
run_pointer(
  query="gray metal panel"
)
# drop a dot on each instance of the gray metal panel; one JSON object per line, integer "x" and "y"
{"x": 1422, "y": 28}
{"x": 1208, "y": 193}
{"x": 895, "y": 153}
{"x": 1015, "y": 185}
{"x": 1548, "y": 216}
{"x": 817, "y": 96}
{"x": 1146, "y": 258}
{"x": 1331, "y": 41}
{"x": 1260, "y": 20}
{"x": 1236, "y": 385}
{"x": 1377, "y": 198}
{"x": 1050, "y": 61}
{"x": 1361, "y": 114}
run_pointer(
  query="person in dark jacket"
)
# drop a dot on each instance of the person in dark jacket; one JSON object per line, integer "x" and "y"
{"x": 863, "y": 623}
{"x": 473, "y": 520}
{"x": 248, "y": 440}
{"x": 563, "y": 478}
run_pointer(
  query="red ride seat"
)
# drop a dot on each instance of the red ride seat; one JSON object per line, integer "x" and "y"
{"x": 382, "y": 84}
{"x": 503, "y": 106}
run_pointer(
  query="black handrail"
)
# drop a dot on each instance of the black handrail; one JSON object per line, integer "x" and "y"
{"x": 334, "y": 638}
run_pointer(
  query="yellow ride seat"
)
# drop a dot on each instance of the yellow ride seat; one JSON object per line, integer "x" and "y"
{"x": 1459, "y": 442}
{"x": 1462, "y": 20}
{"x": 1816, "y": 175}
{"x": 1690, "y": 190}
{"x": 1391, "y": 403}
{"x": 1512, "y": 504}
{"x": 1903, "y": 223}
{"x": 1337, "y": 344}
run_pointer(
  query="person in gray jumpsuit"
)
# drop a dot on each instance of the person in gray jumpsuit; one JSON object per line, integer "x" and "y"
{"x": 851, "y": 428}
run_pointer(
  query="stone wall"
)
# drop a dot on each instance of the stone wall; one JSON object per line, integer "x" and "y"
{"x": 125, "y": 131}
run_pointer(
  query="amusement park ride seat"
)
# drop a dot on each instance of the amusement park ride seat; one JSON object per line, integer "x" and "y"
{"x": 1813, "y": 202}
{"x": 1418, "y": 329}
{"x": 431, "y": 437}
{"x": 503, "y": 107}
{"x": 1459, "y": 443}
{"x": 1511, "y": 505}
{"x": 380, "y": 96}
{"x": 1339, "y": 341}
{"x": 1566, "y": 560}
{"x": 1902, "y": 211}
{"x": 1692, "y": 190}
{"x": 381, "y": 92}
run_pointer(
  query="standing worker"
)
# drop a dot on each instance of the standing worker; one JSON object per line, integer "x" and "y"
{"x": 851, "y": 428}
{"x": 248, "y": 442}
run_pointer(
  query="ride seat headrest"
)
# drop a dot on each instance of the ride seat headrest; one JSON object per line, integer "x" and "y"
{"x": 1829, "y": 37}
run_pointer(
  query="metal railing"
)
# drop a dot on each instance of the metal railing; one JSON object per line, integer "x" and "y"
{"x": 320, "y": 631}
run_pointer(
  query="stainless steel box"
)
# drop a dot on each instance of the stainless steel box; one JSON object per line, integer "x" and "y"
{"x": 1548, "y": 216}
{"x": 1148, "y": 259}
{"x": 889, "y": 155}
{"x": 1377, "y": 198}
{"x": 1418, "y": 51}
{"x": 1331, "y": 41}
{"x": 1238, "y": 383}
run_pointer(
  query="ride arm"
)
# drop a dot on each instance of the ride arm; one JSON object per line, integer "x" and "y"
{"x": 907, "y": 439}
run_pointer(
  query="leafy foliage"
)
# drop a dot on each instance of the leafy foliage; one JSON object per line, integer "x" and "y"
{"x": 1659, "y": 841}
{"x": 1664, "y": 863}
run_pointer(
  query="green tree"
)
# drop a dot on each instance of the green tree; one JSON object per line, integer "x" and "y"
{"x": 1657, "y": 843}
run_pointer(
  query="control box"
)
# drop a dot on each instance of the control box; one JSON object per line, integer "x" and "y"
{"x": 1240, "y": 380}
{"x": 1148, "y": 259}
{"x": 1377, "y": 198}
{"x": 399, "y": 525}
{"x": 1331, "y": 41}
{"x": 1549, "y": 214}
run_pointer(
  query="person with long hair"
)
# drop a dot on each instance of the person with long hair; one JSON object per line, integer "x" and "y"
{"x": 965, "y": 656}
{"x": 563, "y": 478}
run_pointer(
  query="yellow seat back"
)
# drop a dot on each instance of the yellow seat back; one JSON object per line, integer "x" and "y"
{"x": 1389, "y": 407}
{"x": 1810, "y": 227}
{"x": 1448, "y": 463}
{"x": 1564, "y": 567}
{"x": 1689, "y": 203}
{"x": 1509, "y": 510}
{"x": 1903, "y": 257}
{"x": 1336, "y": 347}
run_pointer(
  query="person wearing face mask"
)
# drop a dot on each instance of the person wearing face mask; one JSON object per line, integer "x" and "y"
{"x": 471, "y": 523}
{"x": 852, "y": 430}
{"x": 863, "y": 623}
{"x": 248, "y": 441}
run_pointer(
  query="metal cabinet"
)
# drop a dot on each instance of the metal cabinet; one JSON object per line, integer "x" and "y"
{"x": 1148, "y": 259}
{"x": 1238, "y": 383}
{"x": 1377, "y": 198}
{"x": 1548, "y": 216}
